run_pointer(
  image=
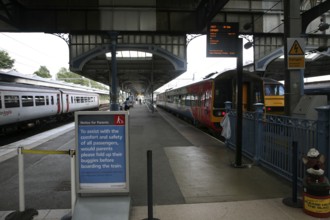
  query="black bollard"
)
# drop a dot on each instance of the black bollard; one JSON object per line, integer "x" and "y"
{"x": 149, "y": 186}
{"x": 294, "y": 201}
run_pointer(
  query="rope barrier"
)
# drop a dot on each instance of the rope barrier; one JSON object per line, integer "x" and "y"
{"x": 21, "y": 151}
{"x": 29, "y": 151}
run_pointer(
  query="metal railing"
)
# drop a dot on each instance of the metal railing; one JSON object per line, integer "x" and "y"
{"x": 268, "y": 140}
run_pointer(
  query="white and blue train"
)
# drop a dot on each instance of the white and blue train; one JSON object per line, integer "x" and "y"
{"x": 22, "y": 103}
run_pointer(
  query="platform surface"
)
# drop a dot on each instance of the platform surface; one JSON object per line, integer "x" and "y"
{"x": 193, "y": 176}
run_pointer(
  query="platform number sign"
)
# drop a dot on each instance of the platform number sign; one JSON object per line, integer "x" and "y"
{"x": 102, "y": 152}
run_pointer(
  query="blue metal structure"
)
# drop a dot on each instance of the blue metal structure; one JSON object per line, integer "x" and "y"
{"x": 268, "y": 139}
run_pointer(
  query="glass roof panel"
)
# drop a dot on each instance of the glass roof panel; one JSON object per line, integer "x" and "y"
{"x": 131, "y": 55}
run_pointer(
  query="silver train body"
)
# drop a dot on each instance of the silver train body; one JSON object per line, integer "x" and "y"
{"x": 20, "y": 103}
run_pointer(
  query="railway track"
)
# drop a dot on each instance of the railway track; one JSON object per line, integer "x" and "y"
{"x": 13, "y": 134}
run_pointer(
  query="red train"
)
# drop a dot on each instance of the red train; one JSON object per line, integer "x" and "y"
{"x": 204, "y": 102}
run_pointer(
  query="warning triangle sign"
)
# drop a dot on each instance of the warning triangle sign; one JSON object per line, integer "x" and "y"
{"x": 296, "y": 49}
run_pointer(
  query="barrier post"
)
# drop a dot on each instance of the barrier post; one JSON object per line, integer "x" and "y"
{"x": 258, "y": 131}
{"x": 149, "y": 185}
{"x": 294, "y": 201}
{"x": 73, "y": 182}
{"x": 21, "y": 179}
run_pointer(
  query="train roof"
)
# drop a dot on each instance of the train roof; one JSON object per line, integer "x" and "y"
{"x": 13, "y": 76}
{"x": 271, "y": 81}
{"x": 24, "y": 87}
{"x": 29, "y": 88}
{"x": 317, "y": 88}
{"x": 219, "y": 75}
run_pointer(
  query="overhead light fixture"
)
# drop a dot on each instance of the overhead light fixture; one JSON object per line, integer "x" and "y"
{"x": 323, "y": 26}
{"x": 248, "y": 45}
{"x": 322, "y": 48}
{"x": 247, "y": 26}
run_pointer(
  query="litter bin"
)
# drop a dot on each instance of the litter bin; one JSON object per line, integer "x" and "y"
{"x": 316, "y": 187}
{"x": 316, "y": 200}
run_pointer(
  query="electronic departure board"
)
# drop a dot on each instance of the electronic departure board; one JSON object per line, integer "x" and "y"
{"x": 222, "y": 39}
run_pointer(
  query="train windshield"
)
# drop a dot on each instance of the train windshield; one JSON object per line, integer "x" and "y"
{"x": 222, "y": 93}
{"x": 274, "y": 90}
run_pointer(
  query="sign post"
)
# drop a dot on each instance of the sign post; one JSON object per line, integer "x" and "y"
{"x": 223, "y": 41}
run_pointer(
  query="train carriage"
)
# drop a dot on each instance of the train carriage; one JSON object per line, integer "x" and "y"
{"x": 21, "y": 103}
{"x": 25, "y": 103}
{"x": 204, "y": 102}
{"x": 274, "y": 96}
{"x": 77, "y": 100}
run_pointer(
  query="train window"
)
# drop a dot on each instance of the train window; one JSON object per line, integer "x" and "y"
{"x": 0, "y": 102}
{"x": 52, "y": 100}
{"x": 274, "y": 89}
{"x": 40, "y": 100}
{"x": 71, "y": 99}
{"x": 188, "y": 100}
{"x": 11, "y": 101}
{"x": 27, "y": 101}
{"x": 47, "y": 100}
{"x": 194, "y": 100}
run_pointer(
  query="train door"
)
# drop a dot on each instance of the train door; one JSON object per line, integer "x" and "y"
{"x": 67, "y": 103}
{"x": 58, "y": 103}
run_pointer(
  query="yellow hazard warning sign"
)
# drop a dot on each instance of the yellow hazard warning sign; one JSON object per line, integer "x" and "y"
{"x": 296, "y": 53}
{"x": 296, "y": 49}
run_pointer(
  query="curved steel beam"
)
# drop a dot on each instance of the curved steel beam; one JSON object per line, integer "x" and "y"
{"x": 77, "y": 63}
{"x": 310, "y": 15}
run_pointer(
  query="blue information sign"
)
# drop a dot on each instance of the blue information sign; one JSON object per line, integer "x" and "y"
{"x": 102, "y": 152}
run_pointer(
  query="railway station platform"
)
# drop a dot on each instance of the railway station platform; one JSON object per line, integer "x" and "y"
{"x": 192, "y": 175}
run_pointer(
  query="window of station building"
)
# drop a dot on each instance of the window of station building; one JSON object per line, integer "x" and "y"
{"x": 40, "y": 100}
{"x": 27, "y": 100}
{"x": 11, "y": 101}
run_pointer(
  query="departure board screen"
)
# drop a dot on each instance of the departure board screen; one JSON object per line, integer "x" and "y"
{"x": 222, "y": 39}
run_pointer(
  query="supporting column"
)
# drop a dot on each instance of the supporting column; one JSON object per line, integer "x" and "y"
{"x": 239, "y": 121}
{"x": 114, "y": 106}
{"x": 323, "y": 133}
{"x": 294, "y": 79}
{"x": 152, "y": 86}
{"x": 258, "y": 132}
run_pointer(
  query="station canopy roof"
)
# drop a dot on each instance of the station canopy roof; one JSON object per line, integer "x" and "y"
{"x": 151, "y": 35}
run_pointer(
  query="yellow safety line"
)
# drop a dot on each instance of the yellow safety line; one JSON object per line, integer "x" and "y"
{"x": 26, "y": 151}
